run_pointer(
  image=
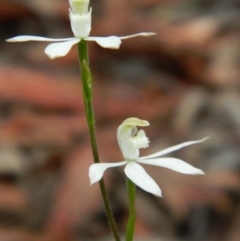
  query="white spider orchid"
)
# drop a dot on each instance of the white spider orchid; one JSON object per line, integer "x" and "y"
{"x": 80, "y": 18}
{"x": 130, "y": 141}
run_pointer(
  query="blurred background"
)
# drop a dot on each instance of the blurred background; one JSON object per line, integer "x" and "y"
{"x": 184, "y": 81}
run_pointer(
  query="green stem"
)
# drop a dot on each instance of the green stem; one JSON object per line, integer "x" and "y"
{"x": 87, "y": 96}
{"x": 132, "y": 211}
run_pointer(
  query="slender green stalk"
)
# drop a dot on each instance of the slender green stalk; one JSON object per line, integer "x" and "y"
{"x": 132, "y": 211}
{"x": 87, "y": 96}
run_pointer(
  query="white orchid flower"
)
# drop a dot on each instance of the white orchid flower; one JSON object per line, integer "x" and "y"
{"x": 130, "y": 141}
{"x": 80, "y": 18}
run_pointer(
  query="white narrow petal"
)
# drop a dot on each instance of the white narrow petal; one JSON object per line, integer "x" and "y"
{"x": 138, "y": 175}
{"x": 56, "y": 50}
{"x": 111, "y": 42}
{"x": 114, "y": 42}
{"x": 26, "y": 38}
{"x": 174, "y": 164}
{"x": 173, "y": 148}
{"x": 138, "y": 34}
{"x": 97, "y": 170}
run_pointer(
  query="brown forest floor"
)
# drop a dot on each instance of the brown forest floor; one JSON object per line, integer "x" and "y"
{"x": 184, "y": 81}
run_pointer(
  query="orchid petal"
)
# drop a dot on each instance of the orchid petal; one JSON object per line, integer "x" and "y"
{"x": 139, "y": 176}
{"x": 60, "y": 49}
{"x": 97, "y": 170}
{"x": 26, "y": 38}
{"x": 173, "y": 164}
{"x": 111, "y": 42}
{"x": 172, "y": 148}
{"x": 114, "y": 42}
{"x": 138, "y": 34}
